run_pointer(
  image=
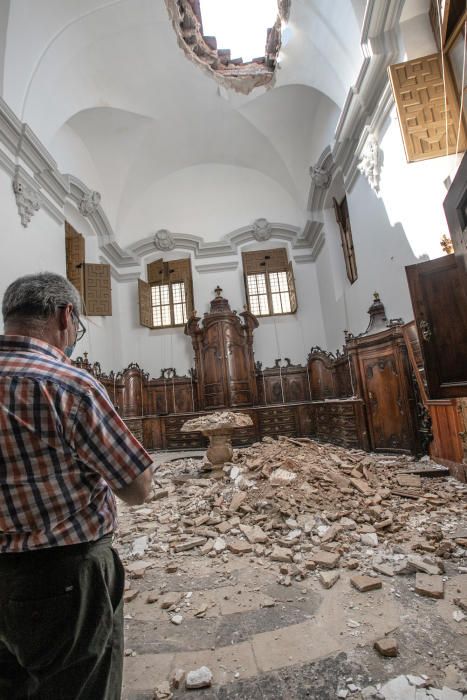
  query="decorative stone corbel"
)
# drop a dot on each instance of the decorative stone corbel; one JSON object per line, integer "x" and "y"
{"x": 262, "y": 230}
{"x": 163, "y": 240}
{"x": 89, "y": 203}
{"x": 371, "y": 162}
{"x": 27, "y": 197}
{"x": 320, "y": 177}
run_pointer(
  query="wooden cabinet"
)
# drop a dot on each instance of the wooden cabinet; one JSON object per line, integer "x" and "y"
{"x": 341, "y": 423}
{"x": 223, "y": 347}
{"x": 455, "y": 208}
{"x": 438, "y": 289}
{"x": 282, "y": 384}
{"x": 385, "y": 384}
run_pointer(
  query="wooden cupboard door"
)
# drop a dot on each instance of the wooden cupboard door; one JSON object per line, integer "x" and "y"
{"x": 237, "y": 367}
{"x": 438, "y": 289}
{"x": 455, "y": 208}
{"x": 388, "y": 411}
{"x": 215, "y": 395}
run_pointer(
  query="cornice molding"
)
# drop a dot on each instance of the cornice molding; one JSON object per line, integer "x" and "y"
{"x": 380, "y": 47}
{"x": 207, "y": 268}
{"x": 368, "y": 101}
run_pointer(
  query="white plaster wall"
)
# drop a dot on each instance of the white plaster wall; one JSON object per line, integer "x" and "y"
{"x": 382, "y": 252}
{"x": 289, "y": 336}
{"x": 209, "y": 201}
{"x": 413, "y": 193}
{"x": 38, "y": 248}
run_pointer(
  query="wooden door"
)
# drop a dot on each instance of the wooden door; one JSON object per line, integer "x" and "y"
{"x": 455, "y": 208}
{"x": 214, "y": 373}
{"x": 387, "y": 406}
{"x": 438, "y": 289}
{"x": 236, "y": 366}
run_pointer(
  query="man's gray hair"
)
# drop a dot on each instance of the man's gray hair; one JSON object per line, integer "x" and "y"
{"x": 37, "y": 297}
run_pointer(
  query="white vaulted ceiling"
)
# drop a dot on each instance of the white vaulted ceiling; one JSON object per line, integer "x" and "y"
{"x": 110, "y": 93}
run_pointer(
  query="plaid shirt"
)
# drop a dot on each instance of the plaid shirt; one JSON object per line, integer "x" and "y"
{"x": 62, "y": 445}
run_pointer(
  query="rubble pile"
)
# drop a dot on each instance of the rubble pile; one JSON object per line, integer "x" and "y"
{"x": 306, "y": 507}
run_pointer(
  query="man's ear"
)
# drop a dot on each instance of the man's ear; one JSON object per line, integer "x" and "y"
{"x": 63, "y": 317}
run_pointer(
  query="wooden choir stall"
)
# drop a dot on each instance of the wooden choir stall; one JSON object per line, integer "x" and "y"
{"x": 365, "y": 396}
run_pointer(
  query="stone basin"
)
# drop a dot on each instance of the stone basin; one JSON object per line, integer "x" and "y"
{"x": 218, "y": 427}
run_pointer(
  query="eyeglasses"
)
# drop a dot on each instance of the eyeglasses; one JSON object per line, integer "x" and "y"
{"x": 80, "y": 328}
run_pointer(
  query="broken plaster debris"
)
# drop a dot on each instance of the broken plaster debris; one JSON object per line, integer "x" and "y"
{"x": 311, "y": 526}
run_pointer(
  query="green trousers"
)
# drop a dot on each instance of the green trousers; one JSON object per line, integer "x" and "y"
{"x": 61, "y": 623}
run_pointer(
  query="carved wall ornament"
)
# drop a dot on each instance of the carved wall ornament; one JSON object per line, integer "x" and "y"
{"x": 320, "y": 177}
{"x": 89, "y": 202}
{"x": 446, "y": 244}
{"x": 27, "y": 199}
{"x": 371, "y": 162}
{"x": 163, "y": 240}
{"x": 262, "y": 230}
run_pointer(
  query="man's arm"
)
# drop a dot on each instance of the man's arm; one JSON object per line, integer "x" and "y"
{"x": 138, "y": 491}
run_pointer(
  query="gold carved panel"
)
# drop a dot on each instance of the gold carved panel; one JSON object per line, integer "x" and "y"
{"x": 419, "y": 94}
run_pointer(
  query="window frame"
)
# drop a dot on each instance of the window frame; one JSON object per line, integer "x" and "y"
{"x": 252, "y": 268}
{"x": 343, "y": 221}
{"x": 170, "y": 284}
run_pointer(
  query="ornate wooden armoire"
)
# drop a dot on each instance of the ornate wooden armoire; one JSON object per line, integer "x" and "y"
{"x": 383, "y": 380}
{"x": 224, "y": 360}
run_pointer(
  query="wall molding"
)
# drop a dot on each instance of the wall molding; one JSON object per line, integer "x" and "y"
{"x": 368, "y": 101}
{"x": 365, "y": 109}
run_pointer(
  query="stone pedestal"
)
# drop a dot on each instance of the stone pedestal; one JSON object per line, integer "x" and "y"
{"x": 218, "y": 427}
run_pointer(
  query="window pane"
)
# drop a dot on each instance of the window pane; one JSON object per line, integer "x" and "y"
{"x": 282, "y": 279}
{"x": 178, "y": 292}
{"x": 276, "y": 304}
{"x": 285, "y": 299}
{"x": 263, "y": 305}
{"x": 258, "y": 294}
{"x": 274, "y": 281}
{"x": 180, "y": 314}
{"x": 166, "y": 320}
{"x": 160, "y": 305}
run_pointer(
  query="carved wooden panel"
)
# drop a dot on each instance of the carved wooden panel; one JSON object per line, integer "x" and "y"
{"x": 145, "y": 307}
{"x": 446, "y": 426}
{"x": 97, "y": 290}
{"x": 224, "y": 356}
{"x": 339, "y": 423}
{"x": 427, "y": 115}
{"x": 237, "y": 366}
{"x": 438, "y": 289}
{"x": 214, "y": 376}
{"x": 132, "y": 401}
{"x": 75, "y": 252}
{"x": 389, "y": 428}
{"x": 322, "y": 380}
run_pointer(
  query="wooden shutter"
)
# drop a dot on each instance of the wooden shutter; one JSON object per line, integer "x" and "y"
{"x": 260, "y": 261}
{"x": 97, "y": 290}
{"x": 292, "y": 290}
{"x": 75, "y": 250}
{"x": 343, "y": 220}
{"x": 156, "y": 272}
{"x": 180, "y": 271}
{"x": 145, "y": 306}
{"x": 418, "y": 88}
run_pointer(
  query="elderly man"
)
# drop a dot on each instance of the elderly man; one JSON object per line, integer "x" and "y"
{"x": 64, "y": 452}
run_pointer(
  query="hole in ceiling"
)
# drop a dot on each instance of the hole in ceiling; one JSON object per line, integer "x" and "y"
{"x": 239, "y": 25}
{"x": 237, "y": 41}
